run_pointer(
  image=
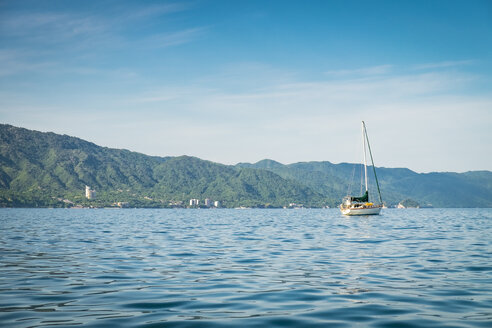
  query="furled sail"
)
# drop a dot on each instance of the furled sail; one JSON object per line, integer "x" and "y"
{"x": 361, "y": 199}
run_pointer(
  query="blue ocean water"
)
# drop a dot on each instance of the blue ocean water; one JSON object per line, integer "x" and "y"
{"x": 245, "y": 268}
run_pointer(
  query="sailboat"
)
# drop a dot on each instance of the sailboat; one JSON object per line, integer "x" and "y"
{"x": 361, "y": 205}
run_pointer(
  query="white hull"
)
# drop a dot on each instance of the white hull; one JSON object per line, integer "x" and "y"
{"x": 361, "y": 211}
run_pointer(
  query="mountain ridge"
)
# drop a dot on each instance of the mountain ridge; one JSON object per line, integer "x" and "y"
{"x": 40, "y": 168}
{"x": 49, "y": 169}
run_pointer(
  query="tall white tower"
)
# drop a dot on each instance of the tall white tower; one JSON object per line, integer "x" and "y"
{"x": 89, "y": 193}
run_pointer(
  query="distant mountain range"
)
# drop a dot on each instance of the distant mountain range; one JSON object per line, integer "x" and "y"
{"x": 46, "y": 169}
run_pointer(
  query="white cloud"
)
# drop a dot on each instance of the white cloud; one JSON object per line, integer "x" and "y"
{"x": 154, "y": 10}
{"x": 411, "y": 117}
{"x": 374, "y": 70}
{"x": 174, "y": 38}
{"x": 444, "y": 64}
{"x": 421, "y": 120}
{"x": 51, "y": 27}
{"x": 79, "y": 33}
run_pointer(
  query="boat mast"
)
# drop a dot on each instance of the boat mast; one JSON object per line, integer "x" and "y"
{"x": 372, "y": 161}
{"x": 364, "y": 145}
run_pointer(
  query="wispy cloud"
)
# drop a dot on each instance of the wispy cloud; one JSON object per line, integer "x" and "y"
{"x": 411, "y": 113}
{"x": 89, "y": 29}
{"x": 366, "y": 71}
{"x": 333, "y": 95}
{"x": 413, "y": 117}
{"x": 444, "y": 64}
{"x": 13, "y": 61}
{"x": 174, "y": 38}
{"x": 60, "y": 42}
{"x": 154, "y": 10}
{"x": 51, "y": 27}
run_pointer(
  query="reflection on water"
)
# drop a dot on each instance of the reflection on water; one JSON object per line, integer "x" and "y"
{"x": 249, "y": 268}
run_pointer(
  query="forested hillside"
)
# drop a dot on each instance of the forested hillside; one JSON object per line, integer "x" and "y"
{"x": 439, "y": 189}
{"x": 47, "y": 169}
{"x": 39, "y": 169}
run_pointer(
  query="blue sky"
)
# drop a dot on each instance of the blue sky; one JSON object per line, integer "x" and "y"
{"x": 240, "y": 81}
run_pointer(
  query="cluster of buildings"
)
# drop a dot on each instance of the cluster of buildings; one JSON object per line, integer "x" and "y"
{"x": 207, "y": 203}
{"x": 91, "y": 194}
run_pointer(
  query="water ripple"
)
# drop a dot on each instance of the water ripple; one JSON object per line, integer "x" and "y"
{"x": 250, "y": 268}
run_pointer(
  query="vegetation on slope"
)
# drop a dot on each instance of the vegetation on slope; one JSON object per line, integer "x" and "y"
{"x": 39, "y": 169}
{"x": 47, "y": 169}
{"x": 470, "y": 189}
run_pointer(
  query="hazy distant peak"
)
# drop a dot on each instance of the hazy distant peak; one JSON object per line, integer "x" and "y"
{"x": 268, "y": 164}
{"x": 263, "y": 164}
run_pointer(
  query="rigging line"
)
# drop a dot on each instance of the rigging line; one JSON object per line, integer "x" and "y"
{"x": 361, "y": 165}
{"x": 365, "y": 150}
{"x": 361, "y": 174}
{"x": 372, "y": 161}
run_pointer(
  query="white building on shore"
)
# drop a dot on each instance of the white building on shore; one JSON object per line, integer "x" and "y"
{"x": 90, "y": 193}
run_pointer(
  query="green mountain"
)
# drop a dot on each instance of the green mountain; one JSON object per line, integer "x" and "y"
{"x": 470, "y": 189}
{"x": 47, "y": 169}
